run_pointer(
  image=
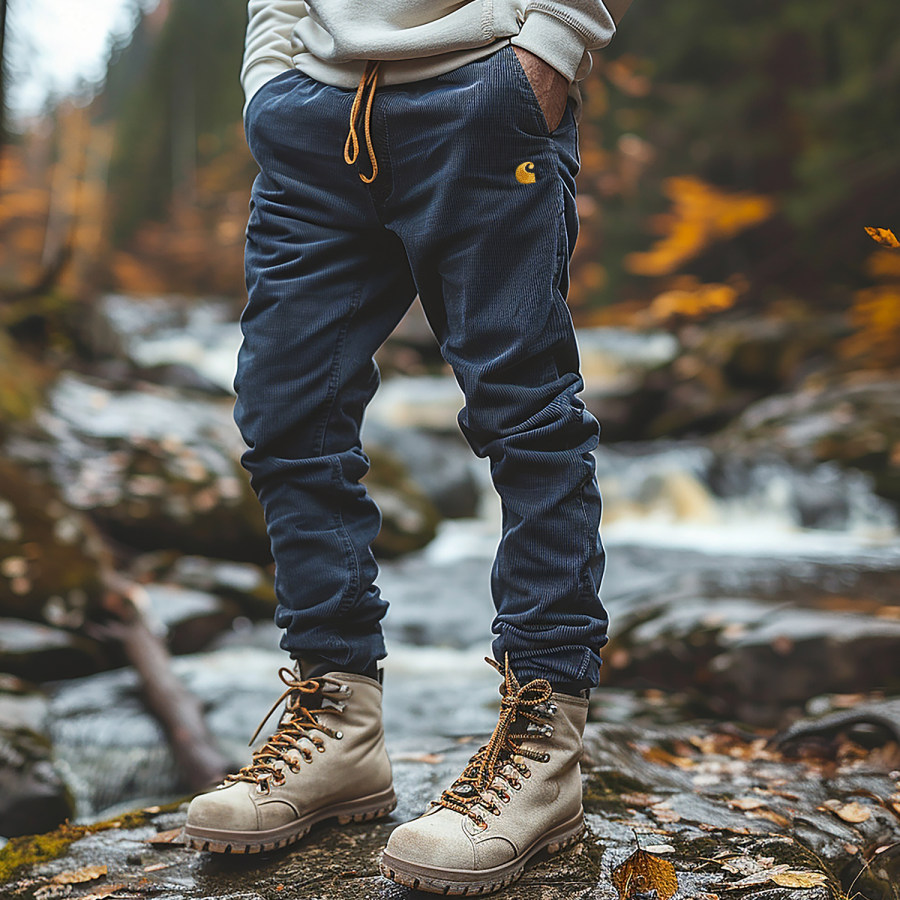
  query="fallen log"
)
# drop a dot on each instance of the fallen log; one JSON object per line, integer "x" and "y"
{"x": 199, "y": 760}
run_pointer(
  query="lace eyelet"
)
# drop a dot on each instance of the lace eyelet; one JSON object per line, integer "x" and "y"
{"x": 545, "y": 757}
{"x": 338, "y": 735}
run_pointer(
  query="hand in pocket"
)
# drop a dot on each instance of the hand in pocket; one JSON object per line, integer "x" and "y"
{"x": 550, "y": 88}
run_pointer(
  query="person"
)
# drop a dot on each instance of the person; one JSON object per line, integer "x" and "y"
{"x": 417, "y": 148}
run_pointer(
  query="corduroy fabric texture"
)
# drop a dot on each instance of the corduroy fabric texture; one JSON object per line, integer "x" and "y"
{"x": 473, "y": 209}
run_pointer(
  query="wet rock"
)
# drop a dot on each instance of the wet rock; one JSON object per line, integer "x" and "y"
{"x": 190, "y": 618}
{"x": 179, "y": 341}
{"x": 854, "y": 421}
{"x": 713, "y": 374}
{"x": 33, "y": 797}
{"x": 41, "y": 653}
{"x": 157, "y": 470}
{"x": 409, "y": 518}
{"x": 727, "y": 811}
{"x": 443, "y": 468}
{"x": 425, "y": 402}
{"x": 50, "y": 558}
{"x": 743, "y": 657}
{"x": 250, "y": 587}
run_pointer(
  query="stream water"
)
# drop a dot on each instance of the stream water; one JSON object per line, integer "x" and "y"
{"x": 675, "y": 515}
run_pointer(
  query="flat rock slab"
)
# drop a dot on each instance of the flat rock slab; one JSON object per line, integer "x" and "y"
{"x": 727, "y": 809}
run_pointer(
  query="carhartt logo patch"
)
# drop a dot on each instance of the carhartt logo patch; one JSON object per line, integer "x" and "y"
{"x": 525, "y": 173}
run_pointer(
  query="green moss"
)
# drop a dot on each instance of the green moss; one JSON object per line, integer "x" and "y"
{"x": 37, "y": 848}
{"x": 34, "y": 849}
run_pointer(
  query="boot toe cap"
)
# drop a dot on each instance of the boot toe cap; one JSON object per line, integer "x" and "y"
{"x": 433, "y": 840}
{"x": 225, "y": 809}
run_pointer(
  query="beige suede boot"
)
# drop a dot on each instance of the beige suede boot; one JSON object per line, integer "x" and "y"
{"x": 325, "y": 760}
{"x": 519, "y": 794}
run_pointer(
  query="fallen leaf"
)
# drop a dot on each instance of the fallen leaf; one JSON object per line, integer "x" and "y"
{"x": 770, "y": 815}
{"x": 431, "y": 759}
{"x": 106, "y": 891}
{"x": 166, "y": 837}
{"x": 664, "y": 813}
{"x": 641, "y": 873}
{"x": 800, "y": 879}
{"x": 79, "y": 876}
{"x": 157, "y": 866}
{"x": 883, "y": 236}
{"x": 746, "y": 803}
{"x": 849, "y": 812}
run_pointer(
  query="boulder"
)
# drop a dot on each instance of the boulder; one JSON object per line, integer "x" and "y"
{"x": 33, "y": 796}
{"x": 43, "y": 653}
{"x": 51, "y": 560}
{"x": 157, "y": 469}
{"x": 853, "y": 420}
{"x": 743, "y": 657}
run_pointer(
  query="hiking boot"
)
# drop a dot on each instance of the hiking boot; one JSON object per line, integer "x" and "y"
{"x": 518, "y": 795}
{"x": 325, "y": 760}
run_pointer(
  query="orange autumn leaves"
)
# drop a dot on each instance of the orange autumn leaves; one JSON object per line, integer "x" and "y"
{"x": 875, "y": 313}
{"x": 701, "y": 215}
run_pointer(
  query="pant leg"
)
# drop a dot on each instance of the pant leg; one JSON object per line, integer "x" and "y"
{"x": 326, "y": 284}
{"x": 475, "y": 158}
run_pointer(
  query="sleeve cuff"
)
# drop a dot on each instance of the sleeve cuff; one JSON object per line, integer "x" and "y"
{"x": 553, "y": 40}
{"x": 259, "y": 74}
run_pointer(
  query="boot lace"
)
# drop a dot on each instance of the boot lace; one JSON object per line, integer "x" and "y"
{"x": 502, "y": 760}
{"x": 304, "y": 700}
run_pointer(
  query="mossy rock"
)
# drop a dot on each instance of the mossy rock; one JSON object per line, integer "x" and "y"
{"x": 50, "y": 557}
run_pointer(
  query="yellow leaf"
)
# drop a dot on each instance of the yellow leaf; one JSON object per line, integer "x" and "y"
{"x": 883, "y": 236}
{"x": 799, "y": 879}
{"x": 643, "y": 872}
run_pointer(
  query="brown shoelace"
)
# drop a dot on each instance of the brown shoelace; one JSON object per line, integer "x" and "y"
{"x": 296, "y": 724}
{"x": 367, "y": 81}
{"x": 503, "y": 752}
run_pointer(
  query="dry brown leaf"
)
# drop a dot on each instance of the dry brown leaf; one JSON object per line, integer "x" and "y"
{"x": 432, "y": 759}
{"x": 106, "y": 890}
{"x": 746, "y": 803}
{"x": 172, "y": 836}
{"x": 771, "y": 816}
{"x": 849, "y": 812}
{"x": 664, "y": 813}
{"x": 883, "y": 236}
{"x": 643, "y": 872}
{"x": 79, "y": 876}
{"x": 800, "y": 879}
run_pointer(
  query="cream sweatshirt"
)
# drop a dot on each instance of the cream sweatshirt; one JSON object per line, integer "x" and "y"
{"x": 331, "y": 40}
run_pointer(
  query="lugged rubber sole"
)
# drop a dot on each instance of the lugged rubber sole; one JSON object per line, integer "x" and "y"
{"x": 456, "y": 882}
{"x": 363, "y": 809}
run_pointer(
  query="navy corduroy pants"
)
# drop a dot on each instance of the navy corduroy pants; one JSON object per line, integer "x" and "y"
{"x": 473, "y": 209}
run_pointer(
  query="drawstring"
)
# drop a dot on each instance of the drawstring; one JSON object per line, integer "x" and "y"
{"x": 368, "y": 81}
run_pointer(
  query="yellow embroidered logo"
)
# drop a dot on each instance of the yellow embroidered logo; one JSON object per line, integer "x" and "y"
{"x": 525, "y": 173}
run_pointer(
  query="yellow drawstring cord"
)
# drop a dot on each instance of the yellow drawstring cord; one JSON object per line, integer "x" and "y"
{"x": 368, "y": 81}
